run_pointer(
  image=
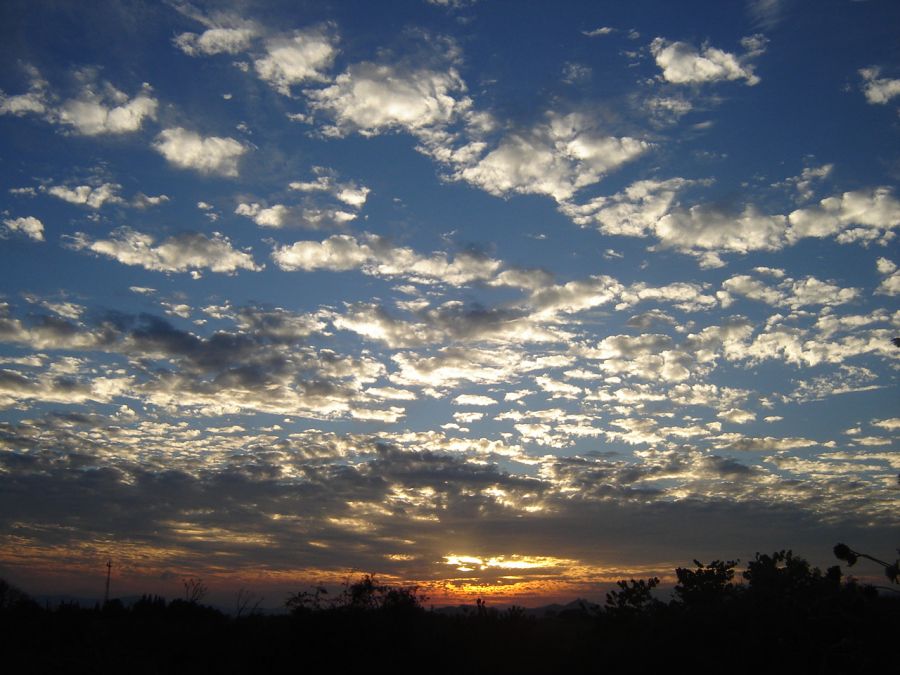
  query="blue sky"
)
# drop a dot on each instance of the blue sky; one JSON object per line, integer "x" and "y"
{"x": 500, "y": 298}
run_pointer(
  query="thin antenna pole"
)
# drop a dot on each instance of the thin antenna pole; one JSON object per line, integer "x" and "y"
{"x": 108, "y": 570}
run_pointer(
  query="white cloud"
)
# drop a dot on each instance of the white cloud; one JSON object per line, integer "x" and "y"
{"x": 683, "y": 295}
{"x": 27, "y": 225}
{"x": 94, "y": 197}
{"x": 103, "y": 109}
{"x": 737, "y": 442}
{"x": 874, "y": 211}
{"x": 339, "y": 252}
{"x": 890, "y": 285}
{"x": 299, "y": 58}
{"x": 891, "y": 424}
{"x": 100, "y": 108}
{"x": 176, "y": 254}
{"x": 555, "y": 158}
{"x": 273, "y": 216}
{"x": 737, "y": 416}
{"x": 804, "y": 182}
{"x": 349, "y": 193}
{"x": 704, "y": 229}
{"x": 315, "y": 211}
{"x": 602, "y": 30}
{"x": 789, "y": 292}
{"x": 372, "y": 98}
{"x": 34, "y": 102}
{"x": 632, "y": 212}
{"x": 215, "y": 41}
{"x": 142, "y": 201}
{"x": 376, "y": 256}
{"x": 575, "y": 296}
{"x": 649, "y": 208}
{"x": 682, "y": 63}
{"x": 189, "y": 150}
{"x": 878, "y": 90}
{"x": 473, "y": 399}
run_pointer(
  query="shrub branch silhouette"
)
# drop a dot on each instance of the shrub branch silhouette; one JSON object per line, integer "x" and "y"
{"x": 848, "y": 555}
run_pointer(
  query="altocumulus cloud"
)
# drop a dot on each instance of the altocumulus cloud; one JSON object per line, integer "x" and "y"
{"x": 180, "y": 253}
{"x": 206, "y": 154}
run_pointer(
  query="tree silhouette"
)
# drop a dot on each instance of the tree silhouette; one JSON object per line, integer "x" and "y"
{"x": 632, "y": 599}
{"x": 705, "y": 585}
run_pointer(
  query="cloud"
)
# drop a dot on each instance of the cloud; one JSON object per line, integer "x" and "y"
{"x": 766, "y": 13}
{"x": 100, "y": 108}
{"x": 739, "y": 443}
{"x": 326, "y": 202}
{"x": 789, "y": 292}
{"x": 576, "y": 73}
{"x": 890, "y": 284}
{"x": 338, "y": 253}
{"x": 682, "y": 63}
{"x": 350, "y": 193}
{"x": 27, "y": 225}
{"x": 142, "y": 201}
{"x": 35, "y": 102}
{"x": 602, "y": 30}
{"x": 376, "y": 256}
{"x": 300, "y": 58}
{"x": 737, "y": 416}
{"x": 370, "y": 98}
{"x": 94, "y": 197}
{"x": 878, "y": 90}
{"x": 649, "y": 357}
{"x": 649, "y": 208}
{"x": 634, "y": 211}
{"x": 804, "y": 182}
{"x": 705, "y": 231}
{"x": 180, "y": 253}
{"x": 474, "y": 399}
{"x": 103, "y": 109}
{"x": 874, "y": 212}
{"x": 685, "y": 296}
{"x": 208, "y": 155}
{"x": 555, "y": 158}
{"x": 215, "y": 41}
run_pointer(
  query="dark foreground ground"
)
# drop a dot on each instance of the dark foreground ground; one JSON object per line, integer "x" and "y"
{"x": 785, "y": 618}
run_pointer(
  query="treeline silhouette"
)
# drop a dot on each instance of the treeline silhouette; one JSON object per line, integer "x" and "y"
{"x": 783, "y": 616}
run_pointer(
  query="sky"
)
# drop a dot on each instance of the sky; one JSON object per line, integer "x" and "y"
{"x": 504, "y": 299}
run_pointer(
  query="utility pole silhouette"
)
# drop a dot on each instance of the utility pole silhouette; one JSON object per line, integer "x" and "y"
{"x": 108, "y": 570}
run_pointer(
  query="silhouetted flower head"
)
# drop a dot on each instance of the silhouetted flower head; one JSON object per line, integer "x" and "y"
{"x": 844, "y": 552}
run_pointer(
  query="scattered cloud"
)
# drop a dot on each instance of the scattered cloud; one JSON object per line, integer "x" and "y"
{"x": 300, "y": 58}
{"x": 555, "y": 158}
{"x": 180, "y": 253}
{"x": 215, "y": 41}
{"x": 878, "y": 90}
{"x": 209, "y": 155}
{"x": 30, "y": 226}
{"x": 99, "y": 108}
{"x": 596, "y": 32}
{"x": 371, "y": 98}
{"x": 890, "y": 284}
{"x": 94, "y": 197}
{"x": 682, "y": 63}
